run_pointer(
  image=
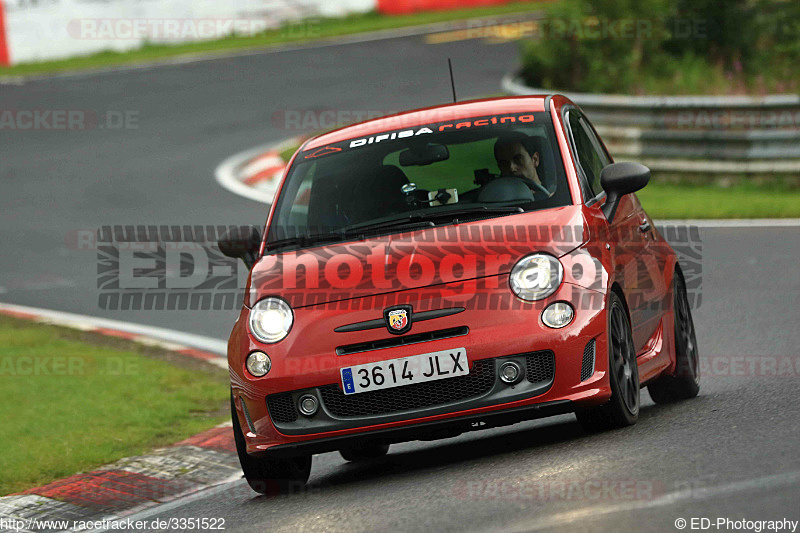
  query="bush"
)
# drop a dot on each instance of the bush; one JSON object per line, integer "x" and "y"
{"x": 672, "y": 46}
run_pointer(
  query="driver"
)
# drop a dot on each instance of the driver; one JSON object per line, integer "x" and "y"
{"x": 517, "y": 157}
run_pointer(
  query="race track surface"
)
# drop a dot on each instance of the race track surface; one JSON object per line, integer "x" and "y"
{"x": 187, "y": 119}
{"x": 732, "y": 452}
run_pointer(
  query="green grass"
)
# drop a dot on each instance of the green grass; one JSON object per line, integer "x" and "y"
{"x": 743, "y": 200}
{"x": 291, "y": 33}
{"x": 695, "y": 75}
{"x": 287, "y": 154}
{"x": 101, "y": 400}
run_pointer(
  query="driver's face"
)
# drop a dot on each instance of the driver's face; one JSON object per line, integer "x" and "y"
{"x": 513, "y": 160}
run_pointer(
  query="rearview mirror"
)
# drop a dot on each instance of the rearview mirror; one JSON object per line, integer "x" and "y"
{"x": 241, "y": 243}
{"x": 619, "y": 179}
{"x": 418, "y": 156}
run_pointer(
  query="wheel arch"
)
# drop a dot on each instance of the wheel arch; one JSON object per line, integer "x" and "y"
{"x": 617, "y": 289}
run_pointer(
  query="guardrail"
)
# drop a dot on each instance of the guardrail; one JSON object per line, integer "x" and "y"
{"x": 706, "y": 134}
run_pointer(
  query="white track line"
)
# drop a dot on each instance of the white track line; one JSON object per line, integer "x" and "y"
{"x": 733, "y": 223}
{"x": 199, "y": 342}
{"x": 672, "y": 498}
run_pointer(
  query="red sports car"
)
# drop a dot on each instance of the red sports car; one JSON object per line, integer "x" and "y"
{"x": 445, "y": 270}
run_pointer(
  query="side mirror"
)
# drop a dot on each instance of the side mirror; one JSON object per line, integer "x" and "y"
{"x": 241, "y": 243}
{"x": 619, "y": 179}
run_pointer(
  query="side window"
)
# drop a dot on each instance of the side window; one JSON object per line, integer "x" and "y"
{"x": 591, "y": 157}
{"x": 601, "y": 151}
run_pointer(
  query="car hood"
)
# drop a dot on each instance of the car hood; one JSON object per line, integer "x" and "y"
{"x": 432, "y": 256}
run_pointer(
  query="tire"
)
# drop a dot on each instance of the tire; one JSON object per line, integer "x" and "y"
{"x": 622, "y": 409}
{"x": 685, "y": 382}
{"x": 366, "y": 452}
{"x": 269, "y": 476}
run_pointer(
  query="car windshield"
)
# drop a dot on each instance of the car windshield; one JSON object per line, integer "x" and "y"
{"x": 420, "y": 176}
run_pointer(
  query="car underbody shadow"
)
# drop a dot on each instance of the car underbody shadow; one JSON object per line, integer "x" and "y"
{"x": 479, "y": 446}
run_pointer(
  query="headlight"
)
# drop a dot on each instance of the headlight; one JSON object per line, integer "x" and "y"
{"x": 536, "y": 276}
{"x": 558, "y": 315}
{"x": 270, "y": 320}
{"x": 258, "y": 364}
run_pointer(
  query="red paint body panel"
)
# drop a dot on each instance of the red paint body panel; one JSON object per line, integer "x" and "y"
{"x": 5, "y": 56}
{"x": 621, "y": 257}
{"x": 399, "y": 7}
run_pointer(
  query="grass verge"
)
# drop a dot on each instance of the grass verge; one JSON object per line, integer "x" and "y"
{"x": 291, "y": 33}
{"x": 287, "y": 153}
{"x": 742, "y": 200}
{"x": 71, "y": 401}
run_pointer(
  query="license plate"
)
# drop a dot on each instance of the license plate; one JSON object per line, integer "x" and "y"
{"x": 405, "y": 371}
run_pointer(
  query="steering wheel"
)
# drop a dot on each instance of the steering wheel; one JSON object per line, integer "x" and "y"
{"x": 531, "y": 184}
{"x": 541, "y": 189}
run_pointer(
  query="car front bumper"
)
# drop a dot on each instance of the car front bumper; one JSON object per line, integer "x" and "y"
{"x": 494, "y": 336}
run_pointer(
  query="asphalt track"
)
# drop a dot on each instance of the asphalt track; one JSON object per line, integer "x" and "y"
{"x": 732, "y": 452}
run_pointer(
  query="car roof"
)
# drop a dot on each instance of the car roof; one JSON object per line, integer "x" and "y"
{"x": 431, "y": 115}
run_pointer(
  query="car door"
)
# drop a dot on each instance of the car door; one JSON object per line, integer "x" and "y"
{"x": 629, "y": 231}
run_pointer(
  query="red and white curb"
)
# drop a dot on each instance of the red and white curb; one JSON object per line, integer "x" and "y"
{"x": 208, "y": 349}
{"x": 127, "y": 486}
{"x": 255, "y": 173}
{"x": 133, "y": 483}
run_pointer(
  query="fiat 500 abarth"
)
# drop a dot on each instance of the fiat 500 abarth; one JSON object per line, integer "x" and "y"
{"x": 450, "y": 269}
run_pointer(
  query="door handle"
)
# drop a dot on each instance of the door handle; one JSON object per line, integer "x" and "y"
{"x": 644, "y": 227}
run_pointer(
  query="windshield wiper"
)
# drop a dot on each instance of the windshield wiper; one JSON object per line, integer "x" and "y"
{"x": 427, "y": 217}
{"x": 367, "y": 230}
{"x": 478, "y": 210}
{"x": 407, "y": 223}
{"x": 303, "y": 240}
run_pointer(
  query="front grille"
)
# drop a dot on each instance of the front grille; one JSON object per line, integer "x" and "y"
{"x": 281, "y": 407}
{"x": 402, "y": 340}
{"x": 587, "y": 367}
{"x": 479, "y": 381}
{"x": 540, "y": 367}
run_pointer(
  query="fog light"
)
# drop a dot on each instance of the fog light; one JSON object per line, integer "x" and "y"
{"x": 558, "y": 315}
{"x": 307, "y": 404}
{"x": 258, "y": 364}
{"x": 510, "y": 372}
